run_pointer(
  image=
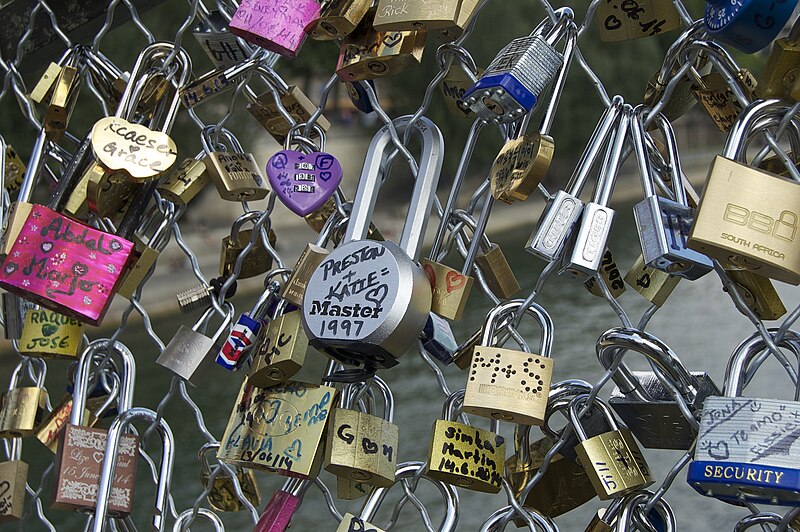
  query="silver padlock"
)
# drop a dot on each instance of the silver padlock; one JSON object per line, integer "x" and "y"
{"x": 563, "y": 212}
{"x": 597, "y": 218}
{"x": 642, "y": 401}
{"x": 368, "y": 302}
{"x": 188, "y": 354}
{"x": 664, "y": 224}
{"x": 221, "y": 46}
{"x": 514, "y": 81}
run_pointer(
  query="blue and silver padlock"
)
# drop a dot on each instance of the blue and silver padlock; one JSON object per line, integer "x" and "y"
{"x": 747, "y": 25}
{"x": 358, "y": 94}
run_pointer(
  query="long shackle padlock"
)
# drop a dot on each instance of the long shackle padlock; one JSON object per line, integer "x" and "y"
{"x": 382, "y": 294}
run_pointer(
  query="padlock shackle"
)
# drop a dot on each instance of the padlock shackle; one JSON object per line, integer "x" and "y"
{"x": 115, "y": 432}
{"x": 659, "y": 353}
{"x": 422, "y": 198}
{"x": 409, "y": 470}
{"x": 563, "y": 24}
{"x": 185, "y": 516}
{"x": 451, "y": 407}
{"x": 574, "y": 418}
{"x": 736, "y": 137}
{"x": 558, "y": 399}
{"x": 672, "y": 57}
{"x": 34, "y": 167}
{"x": 212, "y": 145}
{"x": 539, "y": 314}
{"x": 549, "y": 115}
{"x": 746, "y": 352}
{"x": 81, "y": 386}
{"x": 646, "y": 171}
{"x": 387, "y": 396}
{"x": 534, "y": 520}
{"x": 604, "y": 187}
{"x": 26, "y": 365}
{"x": 294, "y": 135}
{"x": 625, "y": 521}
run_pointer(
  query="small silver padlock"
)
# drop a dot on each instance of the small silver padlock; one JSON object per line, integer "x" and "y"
{"x": 368, "y": 301}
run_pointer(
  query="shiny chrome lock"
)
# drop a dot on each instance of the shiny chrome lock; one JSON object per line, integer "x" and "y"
{"x": 591, "y": 239}
{"x": 564, "y": 211}
{"x": 744, "y": 452}
{"x": 663, "y": 224}
{"x": 23, "y": 408}
{"x": 235, "y": 173}
{"x": 517, "y": 77}
{"x": 510, "y": 385}
{"x": 643, "y": 403}
{"x": 267, "y": 23}
{"x": 376, "y": 325}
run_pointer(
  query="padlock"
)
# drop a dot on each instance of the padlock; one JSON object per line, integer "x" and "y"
{"x": 758, "y": 294}
{"x": 257, "y": 260}
{"x": 564, "y": 210}
{"x": 108, "y": 193}
{"x": 257, "y": 437}
{"x": 613, "y": 460}
{"x": 44, "y": 87}
{"x": 530, "y": 518}
{"x": 522, "y": 396}
{"x": 13, "y": 477}
{"x": 517, "y": 77}
{"x": 223, "y": 495}
{"x": 115, "y": 451}
{"x": 646, "y": 18}
{"x": 63, "y": 93}
{"x": 81, "y": 448}
{"x": 749, "y": 25}
{"x": 611, "y": 277}
{"x": 305, "y": 178}
{"x": 405, "y": 470}
{"x": 266, "y": 23}
{"x": 249, "y": 326}
{"x": 48, "y": 334}
{"x": 265, "y": 110}
{"x": 13, "y": 168}
{"x": 751, "y": 231}
{"x": 358, "y": 92}
{"x": 743, "y": 453}
{"x": 663, "y": 224}
{"x": 438, "y": 339}
{"x": 145, "y": 254}
{"x": 382, "y": 294}
{"x": 719, "y": 100}
{"x": 780, "y": 74}
{"x": 458, "y": 79}
{"x": 465, "y": 456}
{"x": 362, "y": 446}
{"x": 591, "y": 238}
{"x": 350, "y": 490}
{"x": 282, "y": 505}
{"x": 23, "y": 407}
{"x": 653, "y": 285}
{"x": 660, "y": 518}
{"x": 369, "y": 54}
{"x": 221, "y": 46}
{"x": 641, "y": 401}
{"x": 338, "y": 19}
{"x": 235, "y": 173}
{"x": 281, "y": 352}
{"x": 107, "y": 78}
{"x": 496, "y": 271}
{"x": 188, "y": 354}
{"x": 449, "y": 17}
{"x": 185, "y": 181}
{"x": 187, "y": 516}
{"x": 218, "y": 81}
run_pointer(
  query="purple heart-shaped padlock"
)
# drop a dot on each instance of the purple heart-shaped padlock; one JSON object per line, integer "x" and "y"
{"x": 304, "y": 181}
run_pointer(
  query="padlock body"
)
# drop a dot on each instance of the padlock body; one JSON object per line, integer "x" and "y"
{"x": 144, "y": 259}
{"x": 265, "y": 23}
{"x": 718, "y": 98}
{"x": 49, "y": 430}
{"x": 451, "y": 289}
{"x": 520, "y": 166}
{"x": 780, "y": 71}
{"x": 257, "y": 435}
{"x": 367, "y": 302}
{"x": 362, "y": 447}
{"x": 187, "y": 355}
{"x": 85, "y": 264}
{"x": 241, "y": 338}
{"x": 455, "y": 83}
{"x": 281, "y": 353}
{"x": 15, "y": 170}
{"x": 614, "y": 463}
{"x": 13, "y": 316}
{"x": 223, "y": 494}
{"x": 746, "y": 448}
{"x": 81, "y": 451}
{"x": 558, "y": 222}
{"x": 338, "y": 19}
{"x": 236, "y": 176}
{"x": 590, "y": 242}
{"x": 749, "y": 218}
{"x": 221, "y": 46}
{"x": 610, "y": 275}
{"x": 14, "y": 474}
{"x": 257, "y": 261}
{"x": 497, "y": 272}
{"x": 508, "y": 385}
{"x": 664, "y": 227}
{"x": 653, "y": 285}
{"x": 466, "y": 456}
{"x": 182, "y": 185}
{"x": 297, "y": 104}
{"x": 295, "y": 287}
{"x": 49, "y": 334}
{"x": 659, "y": 423}
{"x": 278, "y": 513}
{"x": 22, "y": 410}
{"x": 400, "y": 15}
{"x": 758, "y": 293}
{"x": 17, "y": 215}
{"x": 350, "y": 490}
{"x": 438, "y": 339}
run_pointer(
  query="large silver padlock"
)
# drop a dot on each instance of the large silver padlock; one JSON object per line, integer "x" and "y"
{"x": 664, "y": 224}
{"x": 746, "y": 450}
{"x": 368, "y": 301}
{"x": 642, "y": 401}
{"x": 564, "y": 211}
{"x": 591, "y": 239}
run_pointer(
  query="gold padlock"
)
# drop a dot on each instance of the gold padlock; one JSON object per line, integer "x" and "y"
{"x": 610, "y": 274}
{"x": 361, "y": 446}
{"x": 510, "y": 385}
{"x": 48, "y": 334}
{"x": 454, "y": 84}
{"x": 44, "y": 87}
{"x": 223, "y": 494}
{"x": 520, "y": 166}
{"x": 23, "y": 407}
{"x": 337, "y": 19}
{"x": 109, "y": 193}
{"x": 619, "y": 21}
{"x": 781, "y": 71}
{"x": 281, "y": 353}
{"x": 257, "y": 261}
{"x": 718, "y": 99}
{"x": 50, "y": 429}
{"x": 186, "y": 182}
{"x": 653, "y": 285}
{"x": 295, "y": 287}
{"x": 758, "y": 293}
{"x": 496, "y": 271}
{"x": 465, "y": 456}
{"x": 235, "y": 174}
{"x": 451, "y": 289}
{"x": 14, "y": 476}
{"x": 62, "y": 103}
{"x": 14, "y": 170}
{"x": 297, "y": 104}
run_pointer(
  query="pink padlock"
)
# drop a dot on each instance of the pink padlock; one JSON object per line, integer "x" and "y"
{"x": 277, "y": 25}
{"x": 282, "y": 506}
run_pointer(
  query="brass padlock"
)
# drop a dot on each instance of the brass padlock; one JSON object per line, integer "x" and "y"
{"x": 185, "y": 182}
{"x": 361, "y": 446}
{"x": 368, "y": 54}
{"x": 448, "y": 17}
{"x": 510, "y": 385}
{"x": 257, "y": 435}
{"x": 455, "y": 83}
{"x": 62, "y": 102}
{"x": 781, "y": 73}
{"x": 48, "y": 334}
{"x": 613, "y": 460}
{"x": 44, "y": 87}
{"x": 235, "y": 173}
{"x": 496, "y": 271}
{"x": 294, "y": 101}
{"x": 646, "y": 18}
{"x": 337, "y": 19}
{"x": 653, "y": 285}
{"x": 350, "y": 490}
{"x": 610, "y": 274}
{"x": 23, "y": 407}
{"x": 13, "y": 479}
{"x": 13, "y": 167}
{"x": 223, "y": 495}
{"x": 463, "y": 455}
{"x": 758, "y": 293}
{"x": 281, "y": 353}
{"x": 257, "y": 261}
{"x": 108, "y": 193}
{"x": 295, "y": 287}
{"x": 718, "y": 99}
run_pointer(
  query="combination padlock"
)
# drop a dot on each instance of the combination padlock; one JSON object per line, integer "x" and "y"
{"x": 749, "y": 25}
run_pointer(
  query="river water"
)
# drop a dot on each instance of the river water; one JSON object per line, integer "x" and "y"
{"x": 698, "y": 321}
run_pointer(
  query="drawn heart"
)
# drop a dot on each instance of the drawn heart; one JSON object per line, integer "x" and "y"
{"x": 98, "y": 456}
{"x": 392, "y": 38}
{"x": 48, "y": 329}
{"x": 10, "y": 268}
{"x": 46, "y": 247}
{"x": 719, "y": 451}
{"x": 369, "y": 446}
{"x": 454, "y": 281}
{"x": 293, "y": 452}
{"x": 431, "y": 275}
{"x": 377, "y": 294}
{"x": 304, "y": 181}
